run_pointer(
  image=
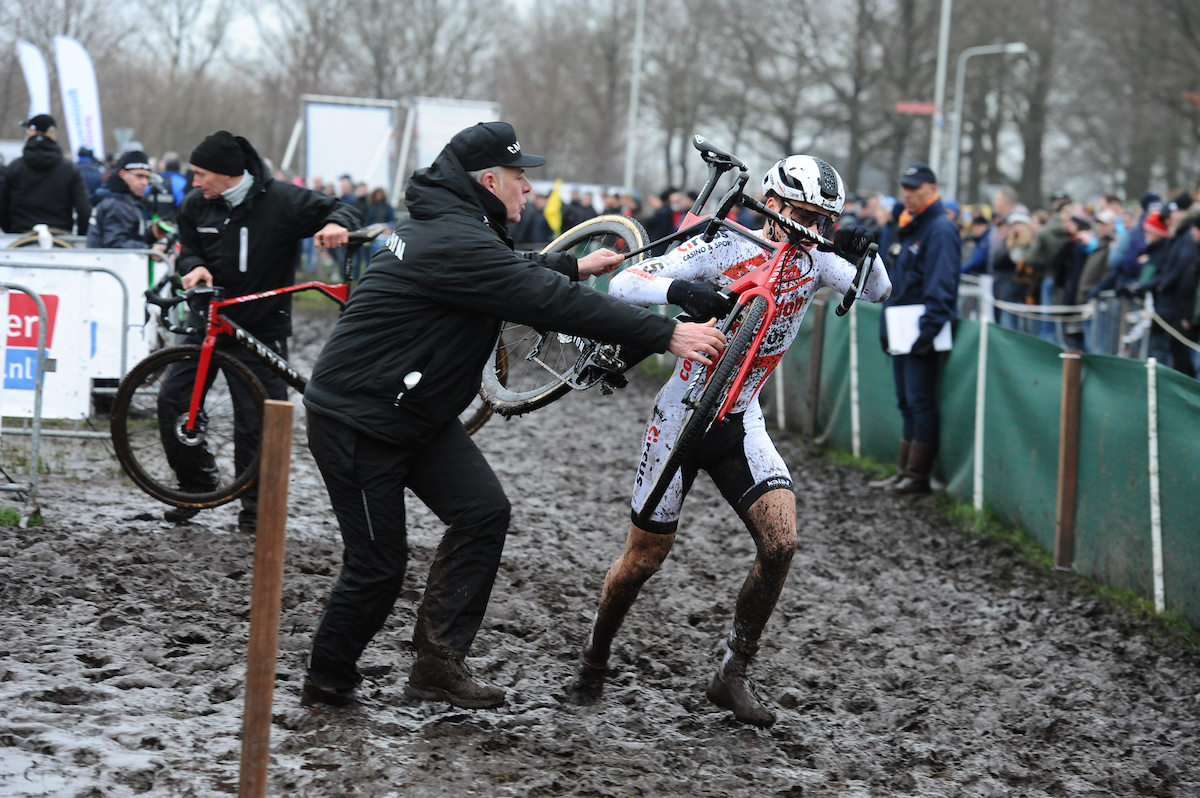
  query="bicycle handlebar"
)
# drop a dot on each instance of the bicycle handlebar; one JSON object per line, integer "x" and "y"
{"x": 865, "y": 264}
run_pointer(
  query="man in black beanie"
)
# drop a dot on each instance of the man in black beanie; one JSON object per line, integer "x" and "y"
{"x": 241, "y": 229}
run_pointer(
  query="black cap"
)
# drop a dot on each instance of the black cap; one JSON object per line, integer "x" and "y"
{"x": 41, "y": 123}
{"x": 1182, "y": 201}
{"x": 220, "y": 153}
{"x": 917, "y": 175}
{"x": 134, "y": 159}
{"x": 491, "y": 144}
{"x": 85, "y": 152}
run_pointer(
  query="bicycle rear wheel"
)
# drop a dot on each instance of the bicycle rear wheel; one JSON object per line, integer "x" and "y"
{"x": 541, "y": 362}
{"x": 712, "y": 397}
{"x": 151, "y": 442}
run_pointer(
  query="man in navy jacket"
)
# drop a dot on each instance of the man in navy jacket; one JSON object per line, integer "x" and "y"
{"x": 925, "y": 272}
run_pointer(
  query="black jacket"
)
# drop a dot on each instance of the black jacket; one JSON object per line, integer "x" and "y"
{"x": 1174, "y": 285}
{"x": 42, "y": 187}
{"x": 275, "y": 216}
{"x": 118, "y": 220}
{"x": 432, "y": 303}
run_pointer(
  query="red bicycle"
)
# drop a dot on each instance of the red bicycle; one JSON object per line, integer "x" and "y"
{"x": 542, "y": 366}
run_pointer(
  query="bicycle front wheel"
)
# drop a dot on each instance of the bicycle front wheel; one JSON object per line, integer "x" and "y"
{"x": 205, "y": 467}
{"x": 540, "y": 363}
{"x": 712, "y": 398}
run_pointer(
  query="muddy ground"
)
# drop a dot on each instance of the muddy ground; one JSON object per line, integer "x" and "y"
{"x": 906, "y": 657}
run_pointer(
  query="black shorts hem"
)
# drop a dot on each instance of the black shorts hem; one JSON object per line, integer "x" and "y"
{"x": 755, "y": 493}
{"x": 654, "y": 527}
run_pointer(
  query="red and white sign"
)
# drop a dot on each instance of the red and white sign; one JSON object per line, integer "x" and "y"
{"x": 23, "y": 319}
{"x": 912, "y": 107}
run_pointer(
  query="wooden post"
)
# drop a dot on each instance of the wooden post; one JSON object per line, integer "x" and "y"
{"x": 1068, "y": 463}
{"x": 265, "y": 597}
{"x": 813, "y": 389}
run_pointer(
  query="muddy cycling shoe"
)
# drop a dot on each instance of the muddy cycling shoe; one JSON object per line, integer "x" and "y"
{"x": 313, "y": 693}
{"x": 588, "y": 685}
{"x": 448, "y": 679}
{"x": 730, "y": 688}
{"x": 177, "y": 515}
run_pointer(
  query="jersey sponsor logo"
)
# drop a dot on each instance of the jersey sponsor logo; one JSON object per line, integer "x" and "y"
{"x": 742, "y": 268}
{"x": 207, "y": 230}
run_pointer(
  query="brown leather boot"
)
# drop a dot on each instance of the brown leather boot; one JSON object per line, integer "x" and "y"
{"x": 920, "y": 466}
{"x": 730, "y": 688}
{"x": 901, "y": 465}
{"x": 435, "y": 678}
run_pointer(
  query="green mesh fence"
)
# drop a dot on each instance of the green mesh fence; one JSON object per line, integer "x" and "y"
{"x": 1021, "y": 438}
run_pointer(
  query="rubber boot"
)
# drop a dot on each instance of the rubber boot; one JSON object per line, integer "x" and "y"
{"x": 901, "y": 465}
{"x": 248, "y": 516}
{"x": 448, "y": 679}
{"x": 177, "y": 515}
{"x": 920, "y": 466}
{"x": 730, "y": 688}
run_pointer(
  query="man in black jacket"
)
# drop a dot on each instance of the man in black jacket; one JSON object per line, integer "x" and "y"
{"x": 242, "y": 231}
{"x": 119, "y": 218}
{"x": 43, "y": 187}
{"x": 402, "y": 363}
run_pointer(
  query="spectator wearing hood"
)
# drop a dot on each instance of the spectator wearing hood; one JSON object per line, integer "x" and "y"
{"x": 119, "y": 216}
{"x": 43, "y": 187}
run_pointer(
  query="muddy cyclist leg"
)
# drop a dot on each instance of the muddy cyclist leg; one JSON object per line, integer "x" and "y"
{"x": 643, "y": 556}
{"x": 772, "y": 523}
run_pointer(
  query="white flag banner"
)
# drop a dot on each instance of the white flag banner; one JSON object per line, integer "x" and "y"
{"x": 80, "y": 98}
{"x": 37, "y": 78}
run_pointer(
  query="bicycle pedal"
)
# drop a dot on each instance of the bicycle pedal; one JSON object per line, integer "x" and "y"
{"x": 605, "y": 388}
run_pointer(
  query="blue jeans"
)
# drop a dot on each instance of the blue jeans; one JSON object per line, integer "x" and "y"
{"x": 1048, "y": 330}
{"x": 916, "y": 392}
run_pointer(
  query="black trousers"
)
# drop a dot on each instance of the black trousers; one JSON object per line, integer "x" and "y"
{"x": 916, "y": 391}
{"x": 194, "y": 465}
{"x": 366, "y": 478}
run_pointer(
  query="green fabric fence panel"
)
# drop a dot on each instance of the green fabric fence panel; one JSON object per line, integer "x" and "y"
{"x": 1112, "y": 521}
{"x": 1179, "y": 488}
{"x": 833, "y": 408}
{"x": 956, "y": 406}
{"x": 880, "y": 416}
{"x": 1020, "y": 449}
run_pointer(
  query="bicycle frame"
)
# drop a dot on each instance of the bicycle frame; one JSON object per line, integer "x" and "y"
{"x": 217, "y": 326}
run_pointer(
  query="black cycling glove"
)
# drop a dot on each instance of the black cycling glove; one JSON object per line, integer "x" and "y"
{"x": 851, "y": 242}
{"x": 699, "y": 300}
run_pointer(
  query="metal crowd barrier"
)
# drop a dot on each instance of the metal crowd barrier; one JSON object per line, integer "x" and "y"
{"x": 44, "y": 365}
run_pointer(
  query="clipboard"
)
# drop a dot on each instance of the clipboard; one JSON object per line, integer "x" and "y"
{"x": 903, "y": 325}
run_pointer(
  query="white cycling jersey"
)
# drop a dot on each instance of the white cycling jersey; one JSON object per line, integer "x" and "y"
{"x": 743, "y": 460}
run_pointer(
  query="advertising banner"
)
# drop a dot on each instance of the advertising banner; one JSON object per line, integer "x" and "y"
{"x": 348, "y": 139}
{"x": 37, "y": 78}
{"x": 80, "y": 98}
{"x": 437, "y": 120}
{"x": 84, "y": 328}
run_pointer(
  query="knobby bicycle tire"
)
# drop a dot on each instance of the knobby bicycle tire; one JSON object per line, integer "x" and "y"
{"x": 712, "y": 397}
{"x": 479, "y": 411}
{"x": 530, "y": 384}
{"x": 138, "y": 436}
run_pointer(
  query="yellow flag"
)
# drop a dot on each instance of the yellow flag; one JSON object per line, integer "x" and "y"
{"x": 553, "y": 209}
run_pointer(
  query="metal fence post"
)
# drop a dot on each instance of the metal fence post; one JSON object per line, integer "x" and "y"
{"x": 986, "y": 310}
{"x": 1068, "y": 463}
{"x": 1156, "y": 551}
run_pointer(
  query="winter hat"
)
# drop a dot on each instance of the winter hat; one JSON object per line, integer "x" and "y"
{"x": 1106, "y": 216}
{"x": 134, "y": 159}
{"x": 1154, "y": 224}
{"x": 1148, "y": 199}
{"x": 1182, "y": 201}
{"x": 220, "y": 153}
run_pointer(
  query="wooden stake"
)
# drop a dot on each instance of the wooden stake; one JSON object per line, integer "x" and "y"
{"x": 1068, "y": 463}
{"x": 813, "y": 392}
{"x": 265, "y": 597}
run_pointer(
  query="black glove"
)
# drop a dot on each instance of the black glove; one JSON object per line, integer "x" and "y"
{"x": 699, "y": 300}
{"x": 922, "y": 346}
{"x": 851, "y": 242}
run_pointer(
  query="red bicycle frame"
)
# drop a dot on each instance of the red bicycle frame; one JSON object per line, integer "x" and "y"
{"x": 216, "y": 326}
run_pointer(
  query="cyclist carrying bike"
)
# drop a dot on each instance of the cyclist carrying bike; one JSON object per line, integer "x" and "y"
{"x": 737, "y": 452}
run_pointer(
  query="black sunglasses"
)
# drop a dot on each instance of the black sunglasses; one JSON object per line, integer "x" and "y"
{"x": 809, "y": 218}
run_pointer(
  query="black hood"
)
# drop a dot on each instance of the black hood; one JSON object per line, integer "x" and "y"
{"x": 42, "y": 153}
{"x": 444, "y": 187}
{"x": 116, "y": 185}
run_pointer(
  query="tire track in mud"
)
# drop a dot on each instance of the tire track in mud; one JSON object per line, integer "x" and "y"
{"x": 905, "y": 656}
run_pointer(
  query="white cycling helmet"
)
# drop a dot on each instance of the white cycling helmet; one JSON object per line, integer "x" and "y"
{"x": 803, "y": 178}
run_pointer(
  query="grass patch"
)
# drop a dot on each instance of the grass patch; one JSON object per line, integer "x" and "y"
{"x": 11, "y": 516}
{"x": 1176, "y": 628}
